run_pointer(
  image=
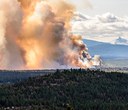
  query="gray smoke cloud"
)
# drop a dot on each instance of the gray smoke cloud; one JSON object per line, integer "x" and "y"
{"x": 37, "y": 34}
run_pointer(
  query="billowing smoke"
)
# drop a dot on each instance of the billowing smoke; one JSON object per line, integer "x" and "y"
{"x": 37, "y": 34}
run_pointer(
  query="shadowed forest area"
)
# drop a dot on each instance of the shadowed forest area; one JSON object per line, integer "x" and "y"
{"x": 68, "y": 90}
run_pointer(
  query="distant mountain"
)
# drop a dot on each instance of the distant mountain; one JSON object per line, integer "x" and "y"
{"x": 91, "y": 43}
{"x": 121, "y": 41}
{"x": 107, "y": 50}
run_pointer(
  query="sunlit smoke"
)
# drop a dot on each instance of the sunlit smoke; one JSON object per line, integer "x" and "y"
{"x": 36, "y": 34}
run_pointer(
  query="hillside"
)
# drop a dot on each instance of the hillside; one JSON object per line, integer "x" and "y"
{"x": 68, "y": 90}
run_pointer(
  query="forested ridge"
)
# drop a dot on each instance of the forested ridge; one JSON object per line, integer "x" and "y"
{"x": 68, "y": 90}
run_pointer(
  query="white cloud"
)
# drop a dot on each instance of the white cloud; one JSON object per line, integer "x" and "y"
{"x": 100, "y": 27}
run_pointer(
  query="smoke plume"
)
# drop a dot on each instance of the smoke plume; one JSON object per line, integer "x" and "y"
{"x": 36, "y": 34}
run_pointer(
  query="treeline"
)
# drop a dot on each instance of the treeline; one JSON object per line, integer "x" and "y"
{"x": 68, "y": 90}
{"x": 13, "y": 76}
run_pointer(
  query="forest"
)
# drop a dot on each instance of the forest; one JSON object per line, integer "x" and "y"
{"x": 74, "y": 89}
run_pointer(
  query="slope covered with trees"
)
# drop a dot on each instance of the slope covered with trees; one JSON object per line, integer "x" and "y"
{"x": 68, "y": 90}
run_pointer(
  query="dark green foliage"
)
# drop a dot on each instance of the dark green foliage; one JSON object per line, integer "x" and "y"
{"x": 68, "y": 90}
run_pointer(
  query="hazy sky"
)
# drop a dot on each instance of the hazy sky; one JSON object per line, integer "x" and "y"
{"x": 117, "y": 7}
{"x": 105, "y": 20}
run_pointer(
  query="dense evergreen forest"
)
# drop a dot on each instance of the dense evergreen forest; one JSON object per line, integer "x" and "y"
{"x": 68, "y": 90}
{"x": 13, "y": 76}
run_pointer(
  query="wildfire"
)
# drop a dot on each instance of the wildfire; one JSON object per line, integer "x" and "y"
{"x": 41, "y": 34}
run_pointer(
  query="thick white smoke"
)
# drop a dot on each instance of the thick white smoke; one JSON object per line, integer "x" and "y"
{"x": 3, "y": 51}
{"x": 10, "y": 24}
{"x": 36, "y": 34}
